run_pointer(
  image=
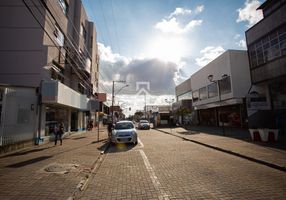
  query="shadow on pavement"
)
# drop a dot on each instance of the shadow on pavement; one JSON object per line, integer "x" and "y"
{"x": 116, "y": 148}
{"x": 238, "y": 133}
{"x": 102, "y": 147}
{"x": 28, "y": 162}
{"x": 79, "y": 138}
{"x": 25, "y": 152}
{"x": 97, "y": 141}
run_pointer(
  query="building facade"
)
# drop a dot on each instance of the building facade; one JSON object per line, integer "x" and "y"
{"x": 266, "y": 43}
{"x": 219, "y": 101}
{"x": 49, "y": 46}
{"x": 182, "y": 108}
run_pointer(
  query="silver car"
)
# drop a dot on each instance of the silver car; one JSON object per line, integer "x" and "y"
{"x": 124, "y": 132}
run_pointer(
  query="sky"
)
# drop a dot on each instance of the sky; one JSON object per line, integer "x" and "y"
{"x": 155, "y": 45}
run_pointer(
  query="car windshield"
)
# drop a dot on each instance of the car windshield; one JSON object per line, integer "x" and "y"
{"x": 124, "y": 125}
{"x": 144, "y": 121}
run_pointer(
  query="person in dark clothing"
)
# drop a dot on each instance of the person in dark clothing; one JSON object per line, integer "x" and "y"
{"x": 109, "y": 128}
{"x": 59, "y": 133}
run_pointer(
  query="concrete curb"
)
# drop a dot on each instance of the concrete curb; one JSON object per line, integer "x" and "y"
{"x": 268, "y": 164}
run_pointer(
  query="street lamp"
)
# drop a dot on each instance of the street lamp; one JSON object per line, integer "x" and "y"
{"x": 210, "y": 77}
{"x": 113, "y": 95}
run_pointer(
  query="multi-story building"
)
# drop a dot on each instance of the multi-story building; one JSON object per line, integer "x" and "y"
{"x": 182, "y": 108}
{"x": 218, "y": 90}
{"x": 266, "y": 43}
{"x": 49, "y": 46}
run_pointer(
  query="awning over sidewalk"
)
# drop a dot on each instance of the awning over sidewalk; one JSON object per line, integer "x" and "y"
{"x": 219, "y": 104}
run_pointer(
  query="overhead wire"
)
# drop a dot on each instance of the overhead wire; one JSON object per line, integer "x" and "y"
{"x": 107, "y": 30}
{"x": 71, "y": 64}
{"x": 55, "y": 45}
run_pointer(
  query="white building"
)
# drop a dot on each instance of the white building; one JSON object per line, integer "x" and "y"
{"x": 222, "y": 99}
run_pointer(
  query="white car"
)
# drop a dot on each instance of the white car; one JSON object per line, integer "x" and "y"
{"x": 124, "y": 132}
{"x": 144, "y": 124}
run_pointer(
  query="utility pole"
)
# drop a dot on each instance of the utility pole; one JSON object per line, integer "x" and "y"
{"x": 113, "y": 95}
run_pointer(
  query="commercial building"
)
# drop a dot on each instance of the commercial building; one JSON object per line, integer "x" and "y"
{"x": 49, "y": 47}
{"x": 266, "y": 43}
{"x": 182, "y": 108}
{"x": 218, "y": 90}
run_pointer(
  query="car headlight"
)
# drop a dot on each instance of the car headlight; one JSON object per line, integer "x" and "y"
{"x": 113, "y": 132}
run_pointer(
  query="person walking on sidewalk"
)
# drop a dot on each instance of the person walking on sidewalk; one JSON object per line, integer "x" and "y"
{"x": 59, "y": 131}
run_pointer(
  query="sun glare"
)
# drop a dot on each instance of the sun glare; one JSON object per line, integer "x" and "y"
{"x": 166, "y": 49}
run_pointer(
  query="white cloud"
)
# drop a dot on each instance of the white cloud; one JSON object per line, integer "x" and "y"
{"x": 172, "y": 26}
{"x": 236, "y": 36}
{"x": 209, "y": 54}
{"x": 106, "y": 54}
{"x": 199, "y": 9}
{"x": 249, "y": 13}
{"x": 180, "y": 11}
{"x": 160, "y": 74}
{"x": 241, "y": 43}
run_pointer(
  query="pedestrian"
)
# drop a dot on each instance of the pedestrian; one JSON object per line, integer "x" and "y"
{"x": 109, "y": 128}
{"x": 59, "y": 131}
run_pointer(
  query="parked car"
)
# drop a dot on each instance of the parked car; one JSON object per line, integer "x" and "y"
{"x": 124, "y": 132}
{"x": 144, "y": 124}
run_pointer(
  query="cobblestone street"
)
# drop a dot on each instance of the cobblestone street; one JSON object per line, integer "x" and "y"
{"x": 165, "y": 167}
{"x": 48, "y": 171}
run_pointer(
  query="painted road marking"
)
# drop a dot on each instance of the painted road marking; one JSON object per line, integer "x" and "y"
{"x": 153, "y": 177}
{"x": 140, "y": 142}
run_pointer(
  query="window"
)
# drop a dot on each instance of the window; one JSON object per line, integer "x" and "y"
{"x": 195, "y": 95}
{"x": 59, "y": 36}
{"x": 225, "y": 85}
{"x": 203, "y": 93}
{"x": 270, "y": 47}
{"x": 212, "y": 90}
{"x": 81, "y": 88}
{"x": 187, "y": 95}
{"x": 83, "y": 31}
{"x": 57, "y": 74}
{"x": 64, "y": 6}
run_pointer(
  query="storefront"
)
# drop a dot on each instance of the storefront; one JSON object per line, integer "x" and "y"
{"x": 231, "y": 116}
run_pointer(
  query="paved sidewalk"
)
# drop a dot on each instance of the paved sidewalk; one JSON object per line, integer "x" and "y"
{"x": 235, "y": 145}
{"x": 51, "y": 172}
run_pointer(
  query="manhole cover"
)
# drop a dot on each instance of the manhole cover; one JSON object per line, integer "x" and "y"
{"x": 60, "y": 168}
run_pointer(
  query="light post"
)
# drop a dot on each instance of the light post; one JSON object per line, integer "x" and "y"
{"x": 210, "y": 77}
{"x": 113, "y": 95}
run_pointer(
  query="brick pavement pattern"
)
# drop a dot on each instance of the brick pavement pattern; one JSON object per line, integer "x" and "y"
{"x": 243, "y": 147}
{"x": 182, "y": 170}
{"x": 22, "y": 174}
